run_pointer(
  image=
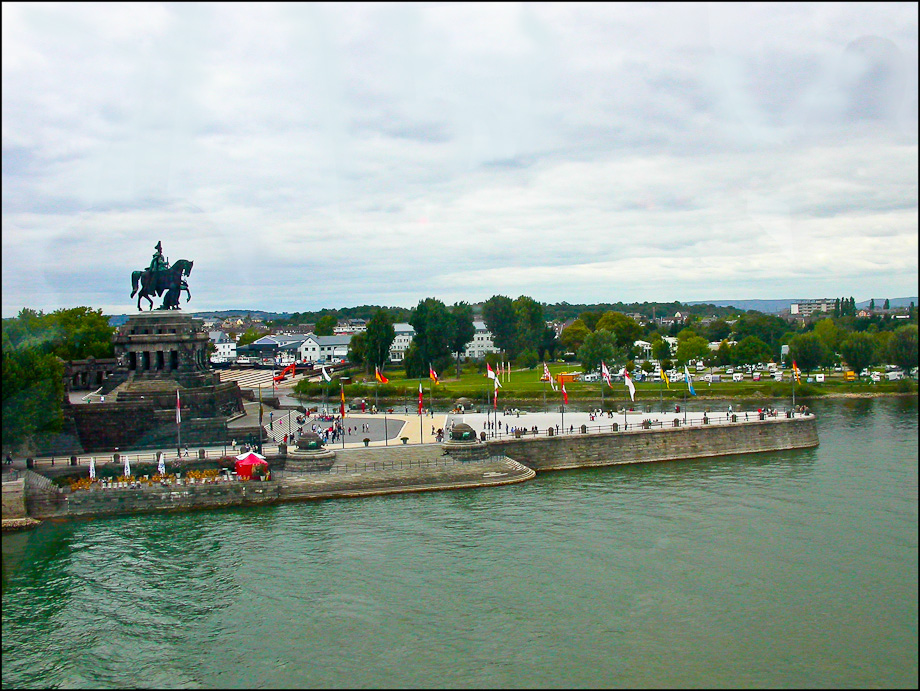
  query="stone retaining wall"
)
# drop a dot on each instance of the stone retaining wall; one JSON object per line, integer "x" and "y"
{"x": 664, "y": 444}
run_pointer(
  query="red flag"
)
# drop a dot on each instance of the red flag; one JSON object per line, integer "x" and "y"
{"x": 495, "y": 405}
{"x": 178, "y": 409}
{"x": 490, "y": 373}
{"x": 420, "y": 398}
{"x": 380, "y": 377}
{"x": 565, "y": 396}
{"x": 342, "y": 406}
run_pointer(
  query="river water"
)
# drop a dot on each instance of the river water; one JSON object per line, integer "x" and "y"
{"x": 787, "y": 569}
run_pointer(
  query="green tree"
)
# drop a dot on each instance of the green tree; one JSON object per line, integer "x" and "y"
{"x": 693, "y": 348}
{"x": 379, "y": 335}
{"x": 724, "y": 355}
{"x": 872, "y": 304}
{"x": 750, "y": 350}
{"x": 661, "y": 349}
{"x": 859, "y": 351}
{"x": 33, "y": 389}
{"x": 325, "y": 325}
{"x": 718, "y": 330}
{"x": 434, "y": 332}
{"x": 829, "y": 333}
{"x": 766, "y": 327}
{"x": 501, "y": 319}
{"x": 357, "y": 350}
{"x": 590, "y": 319}
{"x": 529, "y": 322}
{"x": 600, "y": 346}
{"x": 808, "y": 351}
{"x": 464, "y": 331}
{"x": 625, "y": 330}
{"x": 573, "y": 336}
{"x": 249, "y": 335}
{"x": 902, "y": 348}
{"x": 548, "y": 344}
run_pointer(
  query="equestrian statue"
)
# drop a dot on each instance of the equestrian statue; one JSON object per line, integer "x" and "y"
{"x": 162, "y": 279}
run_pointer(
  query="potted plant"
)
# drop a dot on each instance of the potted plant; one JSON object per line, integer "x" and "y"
{"x": 405, "y": 440}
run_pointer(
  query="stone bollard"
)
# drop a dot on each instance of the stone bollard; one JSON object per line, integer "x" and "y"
{"x": 615, "y": 426}
{"x": 30, "y": 463}
{"x": 676, "y": 422}
{"x": 584, "y": 429}
{"x": 202, "y": 454}
{"x": 73, "y": 460}
{"x": 115, "y": 457}
{"x": 705, "y": 420}
{"x": 734, "y": 418}
{"x": 550, "y": 431}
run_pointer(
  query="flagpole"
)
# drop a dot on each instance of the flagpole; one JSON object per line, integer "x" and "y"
{"x": 178, "y": 426}
{"x": 260, "y": 419}
{"x": 421, "y": 431}
{"x": 386, "y": 436}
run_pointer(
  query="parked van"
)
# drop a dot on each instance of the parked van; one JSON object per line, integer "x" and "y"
{"x": 593, "y": 376}
{"x": 738, "y": 376}
{"x": 849, "y": 375}
{"x": 715, "y": 378}
{"x": 819, "y": 378}
{"x": 756, "y": 376}
{"x": 777, "y": 376}
{"x": 895, "y": 376}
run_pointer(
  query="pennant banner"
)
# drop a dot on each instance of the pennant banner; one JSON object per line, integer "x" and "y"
{"x": 629, "y": 385}
{"x": 432, "y": 374}
{"x": 380, "y": 377}
{"x": 689, "y": 383}
{"x": 420, "y": 399}
{"x": 178, "y": 409}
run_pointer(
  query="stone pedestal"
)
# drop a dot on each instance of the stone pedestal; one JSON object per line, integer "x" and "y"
{"x": 463, "y": 445}
{"x": 309, "y": 455}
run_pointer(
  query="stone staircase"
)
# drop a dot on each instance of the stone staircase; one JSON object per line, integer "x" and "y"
{"x": 399, "y": 453}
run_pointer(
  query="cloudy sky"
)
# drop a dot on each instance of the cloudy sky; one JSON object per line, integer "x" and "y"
{"x": 310, "y": 156}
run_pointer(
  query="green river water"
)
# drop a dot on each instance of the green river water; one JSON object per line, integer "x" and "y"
{"x": 785, "y": 569}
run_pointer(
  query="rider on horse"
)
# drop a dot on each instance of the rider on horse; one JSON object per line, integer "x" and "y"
{"x": 158, "y": 262}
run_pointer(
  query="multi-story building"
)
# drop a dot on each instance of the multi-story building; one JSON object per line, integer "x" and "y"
{"x": 404, "y": 335}
{"x": 225, "y": 347}
{"x": 809, "y": 307}
{"x": 481, "y": 344}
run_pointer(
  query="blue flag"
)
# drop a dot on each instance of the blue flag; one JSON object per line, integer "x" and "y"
{"x": 689, "y": 383}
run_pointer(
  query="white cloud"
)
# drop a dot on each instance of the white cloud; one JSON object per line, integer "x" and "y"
{"x": 308, "y": 156}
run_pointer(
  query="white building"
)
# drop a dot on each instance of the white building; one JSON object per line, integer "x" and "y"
{"x": 314, "y": 347}
{"x": 404, "y": 335}
{"x": 225, "y": 347}
{"x": 807, "y": 307}
{"x": 481, "y": 344}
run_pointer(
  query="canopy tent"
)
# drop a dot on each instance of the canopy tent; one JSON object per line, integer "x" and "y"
{"x": 245, "y": 463}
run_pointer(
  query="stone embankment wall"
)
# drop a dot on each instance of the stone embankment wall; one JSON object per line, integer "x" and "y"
{"x": 156, "y": 498}
{"x": 14, "y": 499}
{"x": 664, "y": 444}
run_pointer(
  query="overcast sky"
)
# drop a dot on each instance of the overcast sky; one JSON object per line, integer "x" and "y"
{"x": 310, "y": 156}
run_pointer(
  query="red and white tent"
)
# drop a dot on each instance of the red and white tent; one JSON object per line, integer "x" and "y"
{"x": 245, "y": 463}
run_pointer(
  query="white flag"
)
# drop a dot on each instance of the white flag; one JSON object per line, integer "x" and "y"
{"x": 127, "y": 467}
{"x": 605, "y": 373}
{"x": 161, "y": 464}
{"x": 490, "y": 373}
{"x": 629, "y": 385}
{"x": 178, "y": 409}
{"x": 92, "y": 467}
{"x": 326, "y": 374}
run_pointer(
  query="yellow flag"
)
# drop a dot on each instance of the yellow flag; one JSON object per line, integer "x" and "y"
{"x": 664, "y": 376}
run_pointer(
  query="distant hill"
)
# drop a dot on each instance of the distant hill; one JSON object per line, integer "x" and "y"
{"x": 119, "y": 319}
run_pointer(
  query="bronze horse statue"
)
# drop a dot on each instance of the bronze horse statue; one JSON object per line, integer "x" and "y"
{"x": 170, "y": 281}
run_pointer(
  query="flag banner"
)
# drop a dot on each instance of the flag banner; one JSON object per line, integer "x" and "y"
{"x": 490, "y": 373}
{"x": 498, "y": 383}
{"x": 565, "y": 396}
{"x": 178, "y": 409}
{"x": 629, "y": 385}
{"x": 689, "y": 383}
{"x": 664, "y": 377}
{"x": 796, "y": 373}
{"x": 127, "y": 467}
{"x": 432, "y": 374}
{"x": 552, "y": 383}
{"x": 92, "y": 467}
{"x": 605, "y": 373}
{"x": 546, "y": 375}
{"x": 342, "y": 405}
{"x": 495, "y": 400}
{"x": 420, "y": 399}
{"x": 380, "y": 377}
{"x": 326, "y": 374}
{"x": 161, "y": 463}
